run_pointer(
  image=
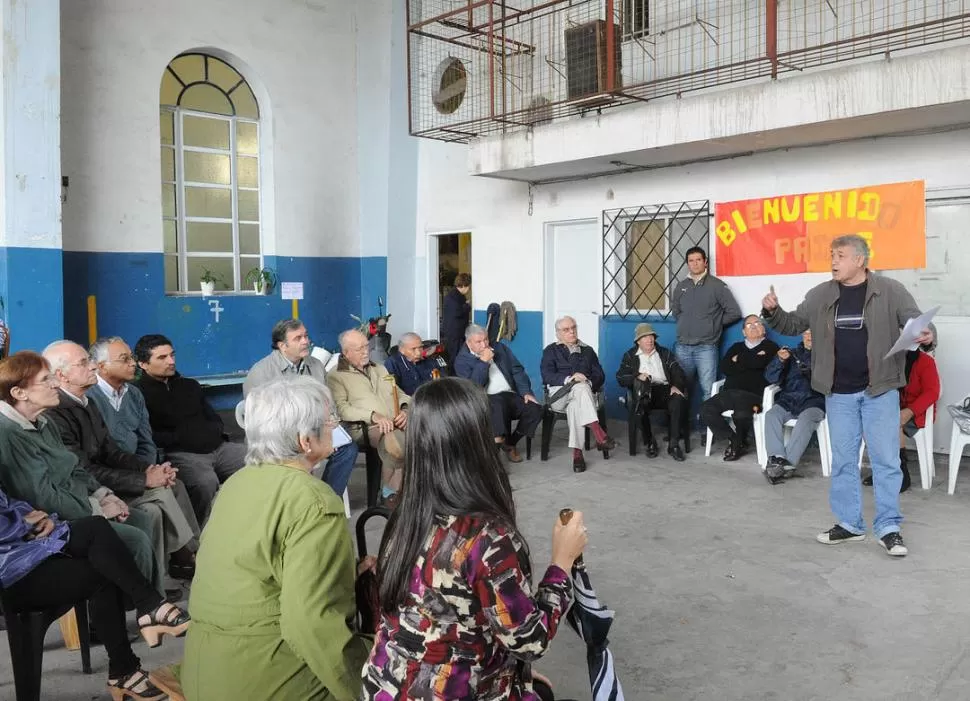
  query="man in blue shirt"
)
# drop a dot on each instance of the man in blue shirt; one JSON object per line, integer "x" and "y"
{"x": 407, "y": 366}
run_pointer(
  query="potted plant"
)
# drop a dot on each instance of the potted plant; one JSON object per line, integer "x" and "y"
{"x": 262, "y": 280}
{"x": 208, "y": 282}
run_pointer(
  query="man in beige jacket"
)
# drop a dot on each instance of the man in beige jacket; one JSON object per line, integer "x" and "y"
{"x": 365, "y": 391}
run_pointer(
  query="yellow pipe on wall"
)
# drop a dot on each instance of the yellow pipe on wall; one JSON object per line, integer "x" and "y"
{"x": 296, "y": 309}
{"x": 92, "y": 320}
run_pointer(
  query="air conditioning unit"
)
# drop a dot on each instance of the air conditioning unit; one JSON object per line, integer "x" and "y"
{"x": 587, "y": 60}
{"x": 540, "y": 110}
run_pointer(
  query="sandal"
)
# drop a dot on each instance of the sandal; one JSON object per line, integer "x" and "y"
{"x": 137, "y": 686}
{"x": 167, "y": 619}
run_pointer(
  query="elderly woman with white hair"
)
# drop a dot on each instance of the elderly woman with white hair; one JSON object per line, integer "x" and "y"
{"x": 273, "y": 596}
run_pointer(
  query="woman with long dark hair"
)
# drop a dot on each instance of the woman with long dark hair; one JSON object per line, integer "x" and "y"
{"x": 460, "y": 616}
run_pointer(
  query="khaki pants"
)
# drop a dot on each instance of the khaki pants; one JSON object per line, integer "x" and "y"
{"x": 580, "y": 409}
{"x": 171, "y": 528}
{"x": 390, "y": 446}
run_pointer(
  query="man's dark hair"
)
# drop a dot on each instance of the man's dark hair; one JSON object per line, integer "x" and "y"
{"x": 283, "y": 327}
{"x": 146, "y": 344}
{"x": 696, "y": 249}
{"x": 463, "y": 280}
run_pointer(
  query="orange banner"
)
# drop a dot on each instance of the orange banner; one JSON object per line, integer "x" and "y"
{"x": 793, "y": 233}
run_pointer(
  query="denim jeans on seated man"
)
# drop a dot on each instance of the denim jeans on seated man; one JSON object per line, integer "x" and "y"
{"x": 339, "y": 466}
{"x": 853, "y": 417}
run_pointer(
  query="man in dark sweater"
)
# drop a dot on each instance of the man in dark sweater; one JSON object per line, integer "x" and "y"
{"x": 455, "y": 316}
{"x": 743, "y": 390}
{"x": 184, "y": 425}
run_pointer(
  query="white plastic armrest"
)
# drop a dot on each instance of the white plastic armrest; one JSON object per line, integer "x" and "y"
{"x": 769, "y": 399}
{"x": 716, "y": 387}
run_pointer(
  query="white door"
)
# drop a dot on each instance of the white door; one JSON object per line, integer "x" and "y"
{"x": 573, "y": 277}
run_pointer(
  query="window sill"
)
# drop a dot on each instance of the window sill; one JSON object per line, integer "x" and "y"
{"x": 220, "y": 293}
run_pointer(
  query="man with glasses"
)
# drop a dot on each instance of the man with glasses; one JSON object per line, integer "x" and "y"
{"x": 855, "y": 320}
{"x": 409, "y": 369}
{"x": 291, "y": 356}
{"x": 743, "y": 390}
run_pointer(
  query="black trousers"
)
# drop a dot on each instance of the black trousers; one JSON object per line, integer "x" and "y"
{"x": 508, "y": 407}
{"x": 743, "y": 404}
{"x": 94, "y": 565}
{"x": 662, "y": 399}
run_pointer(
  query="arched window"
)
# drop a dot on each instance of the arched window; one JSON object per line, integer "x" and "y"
{"x": 210, "y": 174}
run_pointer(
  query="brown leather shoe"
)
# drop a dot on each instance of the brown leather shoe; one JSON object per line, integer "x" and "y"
{"x": 512, "y": 453}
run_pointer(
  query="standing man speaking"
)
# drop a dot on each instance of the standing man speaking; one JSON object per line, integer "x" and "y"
{"x": 855, "y": 319}
{"x": 702, "y": 305}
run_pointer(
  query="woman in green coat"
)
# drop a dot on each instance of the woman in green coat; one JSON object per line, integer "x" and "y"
{"x": 273, "y": 597}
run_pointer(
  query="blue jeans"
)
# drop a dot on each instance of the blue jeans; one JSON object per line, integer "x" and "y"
{"x": 852, "y": 417}
{"x": 701, "y": 359}
{"x": 339, "y": 466}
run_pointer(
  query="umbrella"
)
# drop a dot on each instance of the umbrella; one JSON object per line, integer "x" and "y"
{"x": 560, "y": 393}
{"x": 592, "y": 621}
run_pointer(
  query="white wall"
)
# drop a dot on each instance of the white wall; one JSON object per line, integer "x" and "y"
{"x": 507, "y": 242}
{"x": 301, "y": 53}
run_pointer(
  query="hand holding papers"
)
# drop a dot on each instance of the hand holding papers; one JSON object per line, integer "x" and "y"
{"x": 909, "y": 338}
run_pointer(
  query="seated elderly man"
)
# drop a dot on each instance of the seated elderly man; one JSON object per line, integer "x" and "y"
{"x": 569, "y": 361}
{"x": 743, "y": 390}
{"x": 184, "y": 425}
{"x": 409, "y": 370}
{"x": 791, "y": 369}
{"x": 36, "y": 467}
{"x": 145, "y": 486}
{"x": 291, "y": 357}
{"x": 364, "y": 391}
{"x": 507, "y": 385}
{"x": 658, "y": 381}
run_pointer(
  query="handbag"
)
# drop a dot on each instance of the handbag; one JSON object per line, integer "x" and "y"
{"x": 961, "y": 414}
{"x": 366, "y": 588}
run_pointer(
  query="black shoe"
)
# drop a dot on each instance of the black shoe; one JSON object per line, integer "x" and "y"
{"x": 867, "y": 480}
{"x": 894, "y": 545}
{"x": 579, "y": 463}
{"x": 906, "y": 479}
{"x": 676, "y": 452}
{"x": 775, "y": 470}
{"x": 606, "y": 445}
{"x": 652, "y": 449}
{"x": 734, "y": 451}
{"x": 837, "y": 535}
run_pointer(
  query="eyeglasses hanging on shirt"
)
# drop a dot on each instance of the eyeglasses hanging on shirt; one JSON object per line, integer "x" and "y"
{"x": 849, "y": 322}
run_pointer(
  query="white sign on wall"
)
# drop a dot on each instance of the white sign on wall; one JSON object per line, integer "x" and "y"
{"x": 291, "y": 290}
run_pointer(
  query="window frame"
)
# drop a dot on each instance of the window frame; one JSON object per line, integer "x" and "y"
{"x": 631, "y": 29}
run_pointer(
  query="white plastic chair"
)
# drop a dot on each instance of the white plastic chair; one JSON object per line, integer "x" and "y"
{"x": 241, "y": 421}
{"x": 924, "y": 452}
{"x": 958, "y": 441}
{"x": 715, "y": 388}
{"x": 758, "y": 427}
{"x": 822, "y": 431}
{"x": 321, "y": 354}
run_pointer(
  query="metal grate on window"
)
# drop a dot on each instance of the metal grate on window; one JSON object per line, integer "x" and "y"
{"x": 645, "y": 254}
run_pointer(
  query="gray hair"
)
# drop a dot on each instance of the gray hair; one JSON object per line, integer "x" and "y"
{"x": 405, "y": 337}
{"x": 342, "y": 338}
{"x": 277, "y": 414}
{"x": 856, "y": 242}
{"x": 562, "y": 319}
{"x": 55, "y": 356}
{"x": 283, "y": 327}
{"x": 98, "y": 352}
{"x": 474, "y": 330}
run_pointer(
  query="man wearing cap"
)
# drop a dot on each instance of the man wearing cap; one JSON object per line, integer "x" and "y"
{"x": 571, "y": 362}
{"x": 658, "y": 382}
{"x": 703, "y": 305}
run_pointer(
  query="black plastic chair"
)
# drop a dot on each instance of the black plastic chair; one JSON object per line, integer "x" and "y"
{"x": 25, "y": 633}
{"x": 549, "y": 418}
{"x": 634, "y": 423}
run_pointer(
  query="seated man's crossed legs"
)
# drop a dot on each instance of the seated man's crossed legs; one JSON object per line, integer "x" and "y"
{"x": 390, "y": 446}
{"x": 506, "y": 408}
{"x": 579, "y": 406}
{"x": 782, "y": 458}
{"x": 673, "y": 403}
{"x": 202, "y": 473}
{"x": 744, "y": 405}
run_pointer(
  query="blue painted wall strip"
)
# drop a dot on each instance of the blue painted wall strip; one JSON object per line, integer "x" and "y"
{"x": 31, "y": 284}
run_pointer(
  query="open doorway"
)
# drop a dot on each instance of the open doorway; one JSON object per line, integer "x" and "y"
{"x": 449, "y": 253}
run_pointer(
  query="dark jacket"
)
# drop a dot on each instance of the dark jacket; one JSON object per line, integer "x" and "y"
{"x": 630, "y": 368}
{"x": 748, "y": 371}
{"x": 455, "y": 315}
{"x": 794, "y": 376}
{"x": 703, "y": 309}
{"x": 888, "y": 307}
{"x": 409, "y": 376}
{"x": 85, "y": 434}
{"x": 558, "y": 364}
{"x": 471, "y": 368}
{"x": 181, "y": 418}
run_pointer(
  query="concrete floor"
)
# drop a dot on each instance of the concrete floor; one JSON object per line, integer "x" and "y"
{"x": 720, "y": 588}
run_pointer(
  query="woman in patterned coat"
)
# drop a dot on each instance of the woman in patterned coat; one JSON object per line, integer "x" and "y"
{"x": 461, "y": 617}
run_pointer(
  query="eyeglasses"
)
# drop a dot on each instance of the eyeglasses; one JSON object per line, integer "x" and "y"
{"x": 83, "y": 363}
{"x": 49, "y": 381}
{"x": 123, "y": 360}
{"x": 566, "y": 329}
{"x": 849, "y": 322}
{"x": 753, "y": 324}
